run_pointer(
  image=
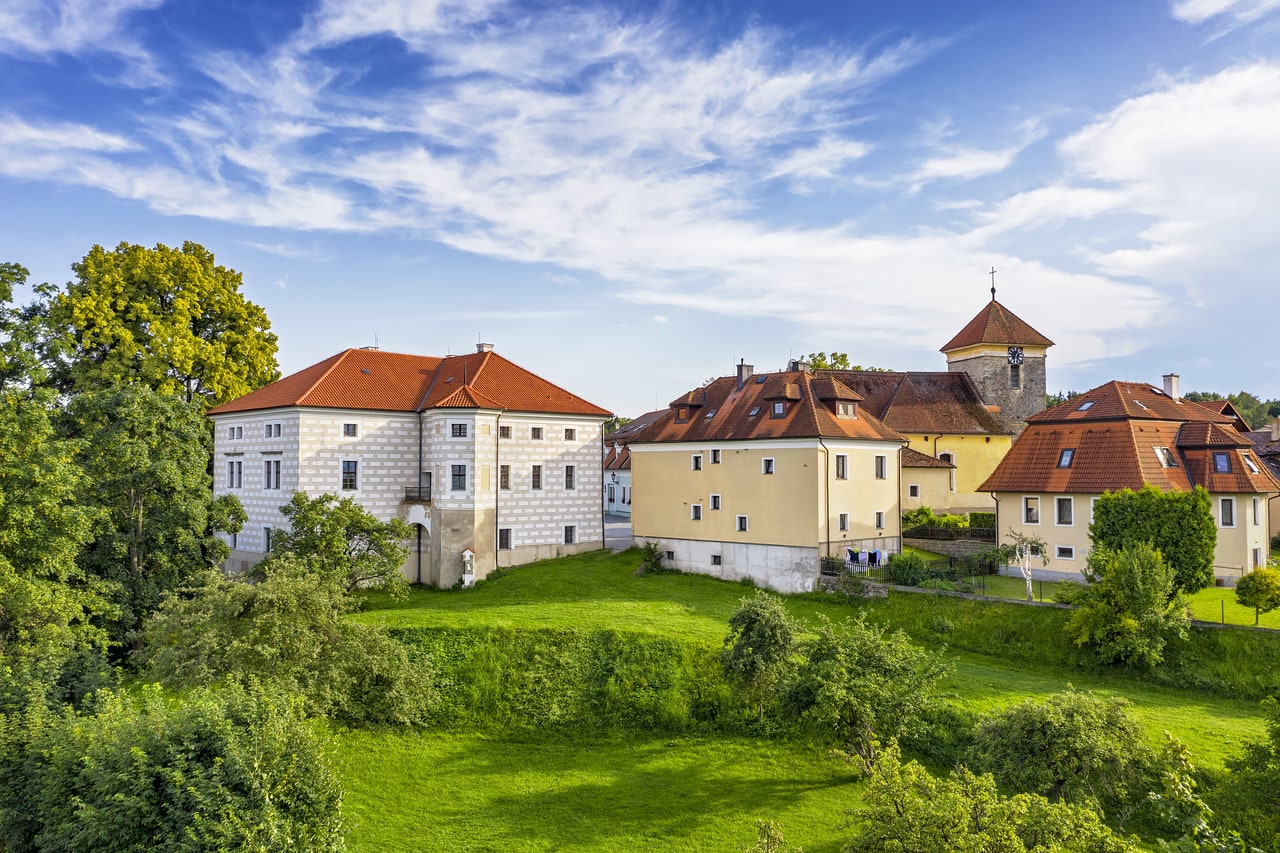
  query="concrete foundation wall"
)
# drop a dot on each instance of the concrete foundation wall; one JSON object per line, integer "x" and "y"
{"x": 783, "y": 568}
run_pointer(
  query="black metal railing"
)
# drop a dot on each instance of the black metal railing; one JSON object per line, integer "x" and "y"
{"x": 419, "y": 494}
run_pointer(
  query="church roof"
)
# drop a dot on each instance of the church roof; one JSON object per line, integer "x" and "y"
{"x": 996, "y": 324}
{"x": 922, "y": 402}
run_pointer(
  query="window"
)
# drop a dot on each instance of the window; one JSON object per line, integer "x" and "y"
{"x": 742, "y": 524}
{"x": 457, "y": 430}
{"x": 234, "y": 540}
{"x": 569, "y": 477}
{"x": 1166, "y": 457}
{"x": 504, "y": 538}
{"x": 349, "y": 468}
{"x": 458, "y": 478}
{"x": 755, "y": 410}
{"x": 504, "y": 432}
{"x": 1086, "y": 405}
{"x": 1093, "y": 505}
{"x": 879, "y": 521}
{"x": 1257, "y": 512}
{"x": 882, "y": 467}
{"x": 271, "y": 474}
{"x": 1221, "y": 463}
{"x": 1257, "y": 558}
{"x": 695, "y": 512}
{"x": 950, "y": 459}
{"x": 350, "y": 430}
{"x": 570, "y": 434}
{"x": 715, "y": 457}
{"x": 766, "y": 465}
{"x": 913, "y": 490}
{"x": 235, "y": 432}
{"x": 682, "y": 415}
{"x": 1031, "y": 510}
{"x": 715, "y": 560}
{"x": 266, "y": 539}
{"x": 536, "y": 478}
{"x": 1066, "y": 456}
{"x": 1015, "y": 376}
{"x": 842, "y": 466}
{"x": 535, "y": 433}
{"x": 779, "y": 409}
{"x": 570, "y": 534}
{"x": 695, "y": 462}
{"x": 1065, "y": 552}
{"x": 709, "y": 415}
{"x": 235, "y": 474}
{"x": 504, "y": 476}
{"x": 1249, "y": 463}
{"x": 844, "y": 521}
{"x": 1064, "y": 511}
{"x": 715, "y": 502}
{"x": 1227, "y": 512}
{"x": 670, "y": 555}
{"x": 273, "y": 431}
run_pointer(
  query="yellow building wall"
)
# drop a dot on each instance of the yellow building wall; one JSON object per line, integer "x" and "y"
{"x": 861, "y": 495}
{"x": 935, "y": 488}
{"x": 976, "y": 457}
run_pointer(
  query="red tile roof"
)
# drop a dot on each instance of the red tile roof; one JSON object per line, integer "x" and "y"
{"x": 922, "y": 402}
{"x": 387, "y": 381}
{"x": 617, "y": 458}
{"x": 996, "y": 324}
{"x": 721, "y": 411}
{"x": 916, "y": 459}
{"x": 623, "y": 433}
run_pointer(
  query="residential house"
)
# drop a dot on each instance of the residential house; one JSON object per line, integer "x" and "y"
{"x": 491, "y": 464}
{"x": 1126, "y": 435}
{"x": 1266, "y": 446}
{"x": 617, "y": 463}
{"x": 757, "y": 476}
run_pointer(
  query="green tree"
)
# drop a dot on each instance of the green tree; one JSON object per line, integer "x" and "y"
{"x": 1130, "y": 609}
{"x": 615, "y": 423}
{"x": 1070, "y": 746}
{"x": 170, "y": 318}
{"x": 1260, "y": 589}
{"x": 289, "y": 629}
{"x": 226, "y": 770}
{"x": 1185, "y": 810}
{"x": 906, "y": 810}
{"x": 146, "y": 469}
{"x": 1021, "y": 552}
{"x": 858, "y": 686}
{"x": 20, "y": 331}
{"x": 837, "y": 361}
{"x": 769, "y": 839}
{"x": 341, "y": 538}
{"x": 1178, "y": 524}
{"x": 757, "y": 653}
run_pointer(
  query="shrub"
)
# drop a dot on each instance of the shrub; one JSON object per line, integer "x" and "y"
{"x": 757, "y": 652}
{"x": 938, "y": 583}
{"x": 982, "y": 519}
{"x": 650, "y": 559}
{"x": 1179, "y": 525}
{"x": 1260, "y": 589}
{"x": 905, "y": 569}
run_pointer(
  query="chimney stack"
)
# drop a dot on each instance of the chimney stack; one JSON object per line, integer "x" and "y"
{"x": 1171, "y": 386}
{"x": 744, "y": 372}
{"x": 484, "y": 347}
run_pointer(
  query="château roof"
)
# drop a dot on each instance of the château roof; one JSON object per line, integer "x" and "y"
{"x": 922, "y": 402}
{"x": 996, "y": 324}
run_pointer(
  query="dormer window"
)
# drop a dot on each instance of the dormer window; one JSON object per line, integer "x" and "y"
{"x": 779, "y": 410}
{"x": 1166, "y": 457}
{"x": 1066, "y": 457}
{"x": 846, "y": 410}
{"x": 682, "y": 415}
{"x": 1221, "y": 463}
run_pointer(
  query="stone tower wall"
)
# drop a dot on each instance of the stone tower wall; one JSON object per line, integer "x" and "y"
{"x": 991, "y": 374}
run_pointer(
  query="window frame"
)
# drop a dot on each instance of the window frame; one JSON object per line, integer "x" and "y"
{"x": 271, "y": 469}
{"x": 350, "y": 473}
{"x": 1066, "y": 457}
{"x": 504, "y": 478}
{"x": 778, "y": 409}
{"x": 742, "y": 524}
{"x": 504, "y": 431}
{"x": 570, "y": 434}
{"x": 1257, "y": 511}
{"x": 457, "y": 429}
{"x": 715, "y": 456}
{"x": 880, "y": 516}
{"x": 535, "y": 433}
{"x": 714, "y": 500}
{"x": 1015, "y": 377}
{"x": 570, "y": 478}
{"x": 235, "y": 474}
{"x": 695, "y": 461}
{"x": 842, "y": 466}
{"x": 1059, "y": 501}
{"x": 842, "y": 522}
{"x": 501, "y": 545}
{"x": 1221, "y": 462}
{"x": 913, "y": 490}
{"x": 695, "y": 512}
{"x": 351, "y": 430}
{"x": 1027, "y": 509}
{"x": 717, "y": 560}
{"x": 456, "y": 471}
{"x": 1064, "y": 552}
{"x": 1227, "y": 519}
{"x": 571, "y": 534}
{"x": 535, "y": 478}
{"x": 881, "y": 467}
{"x": 767, "y": 466}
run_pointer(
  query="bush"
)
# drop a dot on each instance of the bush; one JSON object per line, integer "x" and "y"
{"x": 905, "y": 569}
{"x": 982, "y": 519}
{"x": 757, "y": 652}
{"x": 1260, "y": 589}
{"x": 1179, "y": 525}
{"x": 938, "y": 583}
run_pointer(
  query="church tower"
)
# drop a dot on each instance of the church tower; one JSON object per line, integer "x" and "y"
{"x": 1005, "y": 357}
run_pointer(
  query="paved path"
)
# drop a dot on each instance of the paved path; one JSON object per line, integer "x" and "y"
{"x": 617, "y": 532}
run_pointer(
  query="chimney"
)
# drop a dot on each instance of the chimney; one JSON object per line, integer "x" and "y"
{"x": 484, "y": 347}
{"x": 744, "y": 372}
{"x": 1171, "y": 387}
{"x": 798, "y": 365}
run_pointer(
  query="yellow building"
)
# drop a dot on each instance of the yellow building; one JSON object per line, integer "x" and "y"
{"x": 1126, "y": 435}
{"x": 757, "y": 476}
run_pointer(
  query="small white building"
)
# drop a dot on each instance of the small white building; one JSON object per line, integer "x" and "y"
{"x": 473, "y": 451}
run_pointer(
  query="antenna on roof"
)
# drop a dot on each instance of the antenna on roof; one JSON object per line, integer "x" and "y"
{"x": 993, "y": 283}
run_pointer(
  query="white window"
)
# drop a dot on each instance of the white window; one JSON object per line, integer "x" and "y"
{"x": 695, "y": 512}
{"x": 349, "y": 475}
{"x": 504, "y": 538}
{"x": 535, "y": 433}
{"x": 715, "y": 502}
{"x": 1166, "y": 457}
{"x": 1065, "y": 552}
{"x": 950, "y": 459}
{"x": 1031, "y": 510}
{"x": 1066, "y": 457}
{"x": 235, "y": 432}
{"x": 715, "y": 560}
{"x": 235, "y": 474}
{"x": 913, "y": 491}
{"x": 715, "y": 457}
{"x": 457, "y": 430}
{"x": 350, "y": 430}
{"x": 766, "y": 465}
{"x": 273, "y": 431}
{"x": 1093, "y": 505}
{"x": 779, "y": 409}
{"x": 570, "y": 534}
{"x": 1257, "y": 558}
{"x": 1064, "y": 511}
{"x": 695, "y": 462}
{"x": 1227, "y": 512}
{"x": 842, "y": 466}
{"x": 882, "y": 467}
{"x": 457, "y": 478}
{"x": 1249, "y": 463}
{"x": 536, "y": 477}
{"x": 271, "y": 474}
{"x": 266, "y": 540}
{"x": 570, "y": 434}
{"x": 1221, "y": 463}
{"x": 742, "y": 524}
{"x": 844, "y": 521}
{"x": 1257, "y": 512}
{"x": 570, "y": 481}
{"x": 879, "y": 521}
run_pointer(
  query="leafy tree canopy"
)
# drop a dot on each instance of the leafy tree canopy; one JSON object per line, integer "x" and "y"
{"x": 757, "y": 653}
{"x": 837, "y": 361}
{"x": 170, "y": 318}
{"x": 1260, "y": 589}
{"x": 20, "y": 331}
{"x": 1255, "y": 412}
{"x": 1178, "y": 524}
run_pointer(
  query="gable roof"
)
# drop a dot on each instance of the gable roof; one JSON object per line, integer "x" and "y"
{"x": 996, "y": 324}
{"x": 916, "y": 459}
{"x": 923, "y": 402}
{"x": 723, "y": 411}
{"x": 398, "y": 382}
{"x": 623, "y": 433}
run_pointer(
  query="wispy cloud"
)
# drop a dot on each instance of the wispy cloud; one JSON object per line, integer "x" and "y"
{"x": 1241, "y": 11}
{"x": 42, "y": 28}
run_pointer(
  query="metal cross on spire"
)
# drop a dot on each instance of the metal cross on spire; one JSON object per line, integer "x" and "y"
{"x": 993, "y": 283}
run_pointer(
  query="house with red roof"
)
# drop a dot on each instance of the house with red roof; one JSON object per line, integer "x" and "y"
{"x": 760, "y": 475}
{"x": 491, "y": 464}
{"x": 1127, "y": 435}
{"x": 617, "y": 463}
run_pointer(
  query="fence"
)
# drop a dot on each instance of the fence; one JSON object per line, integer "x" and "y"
{"x": 952, "y": 534}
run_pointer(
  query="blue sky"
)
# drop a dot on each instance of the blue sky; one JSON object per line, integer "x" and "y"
{"x": 629, "y": 198}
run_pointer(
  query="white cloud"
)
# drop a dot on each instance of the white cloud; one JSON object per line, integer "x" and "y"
{"x": 1242, "y": 11}
{"x": 660, "y": 319}
{"x": 45, "y": 27}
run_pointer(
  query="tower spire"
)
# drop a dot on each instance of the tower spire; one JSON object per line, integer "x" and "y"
{"x": 993, "y": 283}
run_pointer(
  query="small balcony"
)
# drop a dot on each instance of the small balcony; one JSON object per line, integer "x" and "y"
{"x": 417, "y": 494}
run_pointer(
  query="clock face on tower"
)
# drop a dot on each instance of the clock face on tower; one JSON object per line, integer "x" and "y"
{"x": 1015, "y": 355}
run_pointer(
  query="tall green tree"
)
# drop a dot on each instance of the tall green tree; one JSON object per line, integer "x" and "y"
{"x": 837, "y": 361}
{"x": 1178, "y": 524}
{"x": 145, "y": 460}
{"x": 757, "y": 653}
{"x": 172, "y": 319}
{"x": 343, "y": 540}
{"x": 22, "y": 331}
{"x": 1260, "y": 589}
